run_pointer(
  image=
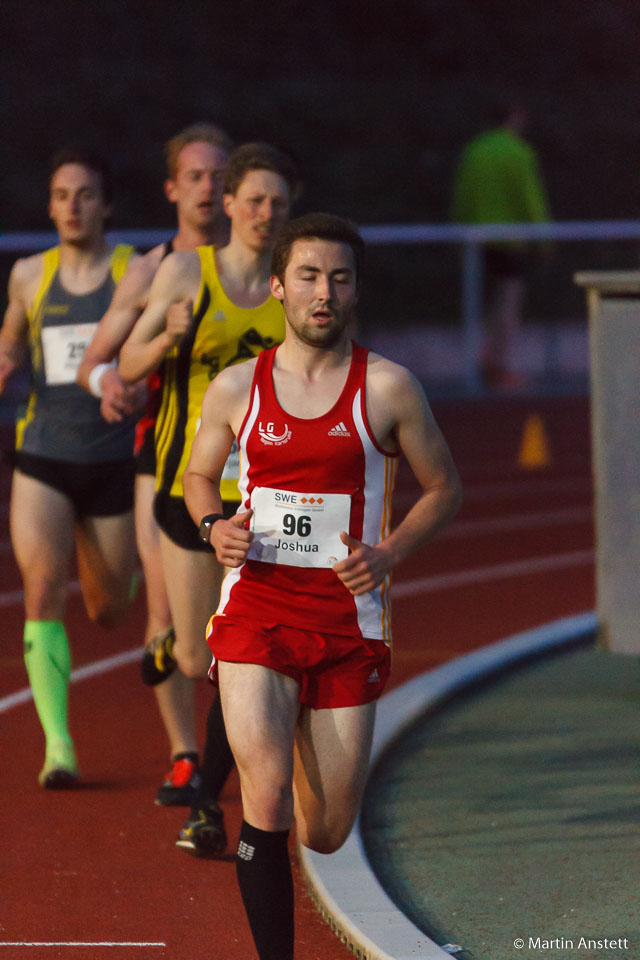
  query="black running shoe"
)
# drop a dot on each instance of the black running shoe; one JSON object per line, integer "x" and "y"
{"x": 158, "y": 661}
{"x": 181, "y": 785}
{"x": 203, "y": 834}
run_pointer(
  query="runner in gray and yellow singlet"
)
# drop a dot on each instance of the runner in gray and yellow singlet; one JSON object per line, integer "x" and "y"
{"x": 73, "y": 482}
{"x": 62, "y": 421}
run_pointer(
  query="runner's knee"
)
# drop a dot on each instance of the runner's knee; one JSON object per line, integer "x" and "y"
{"x": 108, "y": 608}
{"x": 325, "y": 837}
{"x": 268, "y": 801}
{"x": 105, "y": 613}
{"x": 194, "y": 662}
{"x": 45, "y": 596}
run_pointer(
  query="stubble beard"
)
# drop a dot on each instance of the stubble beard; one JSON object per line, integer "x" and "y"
{"x": 322, "y": 337}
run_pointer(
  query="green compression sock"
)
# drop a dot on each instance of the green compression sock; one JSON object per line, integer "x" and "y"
{"x": 48, "y": 662}
{"x": 133, "y": 589}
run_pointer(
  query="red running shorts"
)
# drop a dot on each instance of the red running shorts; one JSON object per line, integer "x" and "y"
{"x": 332, "y": 670}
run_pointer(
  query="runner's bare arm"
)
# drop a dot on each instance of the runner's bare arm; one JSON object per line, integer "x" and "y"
{"x": 129, "y": 298}
{"x": 400, "y": 415}
{"x": 15, "y": 327}
{"x": 223, "y": 407}
{"x": 152, "y": 337}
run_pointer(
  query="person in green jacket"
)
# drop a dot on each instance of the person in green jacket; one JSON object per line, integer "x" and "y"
{"x": 498, "y": 181}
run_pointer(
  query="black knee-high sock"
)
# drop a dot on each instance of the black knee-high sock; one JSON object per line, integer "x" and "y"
{"x": 217, "y": 759}
{"x": 266, "y": 885}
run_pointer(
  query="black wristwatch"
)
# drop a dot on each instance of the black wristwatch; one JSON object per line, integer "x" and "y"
{"x": 206, "y": 523}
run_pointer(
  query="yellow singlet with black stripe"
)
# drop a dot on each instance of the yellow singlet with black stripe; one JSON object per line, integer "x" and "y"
{"x": 222, "y": 334}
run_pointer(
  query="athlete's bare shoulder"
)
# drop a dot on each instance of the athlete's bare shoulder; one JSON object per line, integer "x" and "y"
{"x": 182, "y": 260}
{"x": 393, "y": 396}
{"x": 25, "y": 277}
{"x": 236, "y": 380}
{"x": 181, "y": 265}
{"x": 133, "y": 289}
{"x": 176, "y": 278}
{"x": 384, "y": 375}
{"x": 228, "y": 394}
{"x": 145, "y": 265}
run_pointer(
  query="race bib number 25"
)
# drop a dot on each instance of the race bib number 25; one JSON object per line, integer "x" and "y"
{"x": 299, "y": 529}
{"x": 64, "y": 348}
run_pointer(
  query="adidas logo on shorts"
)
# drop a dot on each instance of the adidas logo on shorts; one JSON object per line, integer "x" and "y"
{"x": 374, "y": 676}
{"x": 339, "y": 431}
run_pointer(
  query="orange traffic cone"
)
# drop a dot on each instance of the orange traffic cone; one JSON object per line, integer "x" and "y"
{"x": 534, "y": 447}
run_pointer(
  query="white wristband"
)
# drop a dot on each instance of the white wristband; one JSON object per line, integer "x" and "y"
{"x": 96, "y": 376}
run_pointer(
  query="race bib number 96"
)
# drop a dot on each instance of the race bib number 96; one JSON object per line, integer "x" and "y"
{"x": 299, "y": 529}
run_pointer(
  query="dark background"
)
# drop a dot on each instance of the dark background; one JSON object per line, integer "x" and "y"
{"x": 374, "y": 98}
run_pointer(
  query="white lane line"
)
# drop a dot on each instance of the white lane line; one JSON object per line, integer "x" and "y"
{"x": 516, "y": 521}
{"x": 12, "y": 597}
{"x": 488, "y": 525}
{"x": 400, "y": 591}
{"x": 81, "y": 943}
{"x": 477, "y": 492}
{"x": 81, "y": 673}
{"x": 484, "y": 489}
{"x": 443, "y": 581}
{"x": 499, "y": 571}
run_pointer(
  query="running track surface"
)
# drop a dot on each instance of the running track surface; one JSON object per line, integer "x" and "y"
{"x": 95, "y": 873}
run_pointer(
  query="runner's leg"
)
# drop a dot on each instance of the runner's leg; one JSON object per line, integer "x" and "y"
{"x": 41, "y": 523}
{"x": 175, "y": 696}
{"x": 261, "y": 709}
{"x": 331, "y": 766}
{"x": 193, "y": 581}
{"x": 107, "y": 559}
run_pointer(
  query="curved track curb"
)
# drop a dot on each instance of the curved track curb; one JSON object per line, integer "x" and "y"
{"x": 343, "y": 885}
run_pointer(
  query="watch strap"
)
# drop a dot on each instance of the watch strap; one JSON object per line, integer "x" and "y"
{"x": 207, "y": 522}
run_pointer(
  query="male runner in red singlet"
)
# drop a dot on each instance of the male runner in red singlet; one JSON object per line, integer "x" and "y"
{"x": 196, "y": 160}
{"x": 301, "y": 636}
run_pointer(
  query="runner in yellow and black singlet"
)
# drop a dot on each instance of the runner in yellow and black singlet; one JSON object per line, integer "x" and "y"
{"x": 220, "y": 335}
{"x": 207, "y": 310}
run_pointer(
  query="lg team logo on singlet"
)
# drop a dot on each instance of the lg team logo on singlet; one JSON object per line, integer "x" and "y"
{"x": 271, "y": 437}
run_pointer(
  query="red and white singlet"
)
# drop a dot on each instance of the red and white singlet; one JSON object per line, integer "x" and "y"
{"x": 307, "y": 480}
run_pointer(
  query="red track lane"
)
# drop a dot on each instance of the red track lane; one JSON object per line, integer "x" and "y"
{"x": 99, "y": 864}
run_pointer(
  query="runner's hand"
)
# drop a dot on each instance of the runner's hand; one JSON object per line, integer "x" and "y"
{"x": 179, "y": 320}
{"x": 364, "y": 568}
{"x": 118, "y": 398}
{"x": 230, "y": 539}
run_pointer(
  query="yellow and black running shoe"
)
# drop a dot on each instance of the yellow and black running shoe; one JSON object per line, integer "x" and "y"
{"x": 203, "y": 834}
{"x": 158, "y": 661}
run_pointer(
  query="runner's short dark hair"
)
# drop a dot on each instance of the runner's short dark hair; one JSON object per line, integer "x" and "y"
{"x": 317, "y": 226}
{"x": 85, "y": 158}
{"x": 259, "y": 156}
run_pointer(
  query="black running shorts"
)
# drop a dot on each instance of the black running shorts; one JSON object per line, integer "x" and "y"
{"x": 94, "y": 489}
{"x": 146, "y": 455}
{"x": 174, "y": 519}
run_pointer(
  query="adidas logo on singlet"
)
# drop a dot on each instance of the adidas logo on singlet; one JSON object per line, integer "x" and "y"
{"x": 339, "y": 430}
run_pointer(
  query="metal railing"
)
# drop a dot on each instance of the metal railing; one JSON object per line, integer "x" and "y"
{"x": 470, "y": 238}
